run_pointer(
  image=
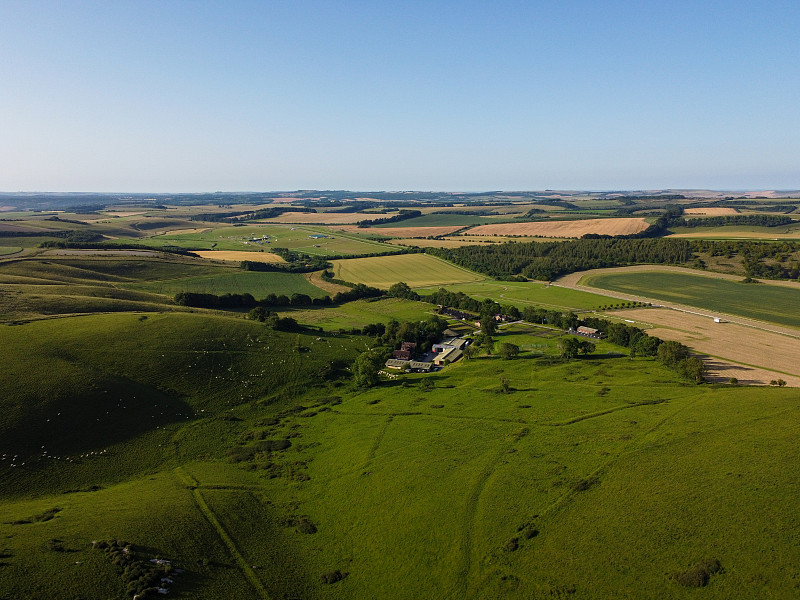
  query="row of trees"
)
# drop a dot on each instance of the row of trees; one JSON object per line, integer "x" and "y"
{"x": 237, "y": 301}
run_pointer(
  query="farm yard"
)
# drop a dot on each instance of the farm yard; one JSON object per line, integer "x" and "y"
{"x": 417, "y": 270}
{"x": 565, "y": 229}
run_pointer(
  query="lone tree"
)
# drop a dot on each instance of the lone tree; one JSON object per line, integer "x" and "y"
{"x": 365, "y": 369}
{"x": 508, "y": 350}
{"x": 488, "y": 324}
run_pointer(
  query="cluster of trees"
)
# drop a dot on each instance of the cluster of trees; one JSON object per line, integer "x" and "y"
{"x": 234, "y": 301}
{"x": 461, "y": 301}
{"x": 401, "y": 216}
{"x": 749, "y": 220}
{"x": 295, "y": 263}
{"x": 423, "y": 333}
{"x": 571, "y": 347}
{"x": 401, "y": 290}
{"x": 273, "y": 319}
{"x": 141, "y": 577}
{"x": 548, "y": 260}
{"x": 769, "y": 260}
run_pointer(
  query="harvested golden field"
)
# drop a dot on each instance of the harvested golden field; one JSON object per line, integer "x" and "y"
{"x": 564, "y": 229}
{"x": 240, "y": 255}
{"x": 404, "y": 232}
{"x": 712, "y": 211}
{"x": 187, "y": 230}
{"x": 329, "y": 218}
{"x": 750, "y": 354}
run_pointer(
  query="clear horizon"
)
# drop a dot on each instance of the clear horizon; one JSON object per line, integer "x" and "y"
{"x": 187, "y": 97}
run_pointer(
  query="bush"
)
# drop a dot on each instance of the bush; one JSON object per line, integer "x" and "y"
{"x": 306, "y": 526}
{"x": 511, "y": 545}
{"x": 585, "y": 484}
{"x": 699, "y": 574}
{"x": 332, "y": 576}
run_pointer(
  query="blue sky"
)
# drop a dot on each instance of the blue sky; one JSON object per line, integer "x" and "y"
{"x": 566, "y": 94}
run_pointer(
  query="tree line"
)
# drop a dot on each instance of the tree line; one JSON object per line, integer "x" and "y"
{"x": 547, "y": 260}
{"x": 401, "y": 216}
{"x": 239, "y": 301}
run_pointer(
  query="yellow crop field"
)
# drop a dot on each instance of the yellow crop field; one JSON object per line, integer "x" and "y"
{"x": 564, "y": 229}
{"x": 237, "y": 255}
{"x": 417, "y": 270}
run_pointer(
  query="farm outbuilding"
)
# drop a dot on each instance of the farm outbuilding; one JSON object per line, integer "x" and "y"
{"x": 589, "y": 332}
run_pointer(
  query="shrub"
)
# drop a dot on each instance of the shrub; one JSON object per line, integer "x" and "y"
{"x": 511, "y": 545}
{"x": 699, "y": 574}
{"x": 332, "y": 576}
{"x": 306, "y": 526}
{"x": 585, "y": 484}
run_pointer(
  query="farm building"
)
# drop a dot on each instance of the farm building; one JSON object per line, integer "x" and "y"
{"x": 420, "y": 367}
{"x": 402, "y": 354}
{"x": 589, "y": 332}
{"x": 396, "y": 363}
{"x": 449, "y": 344}
{"x": 451, "y": 355}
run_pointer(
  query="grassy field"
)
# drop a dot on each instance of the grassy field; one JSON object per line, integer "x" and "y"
{"x": 357, "y": 314}
{"x": 6, "y": 250}
{"x": 776, "y": 304}
{"x": 417, "y": 270}
{"x": 522, "y": 294}
{"x": 44, "y": 286}
{"x": 298, "y": 238}
{"x": 243, "y": 282}
{"x": 739, "y": 232}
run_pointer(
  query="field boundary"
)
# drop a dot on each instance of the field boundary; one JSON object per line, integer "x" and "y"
{"x": 209, "y": 515}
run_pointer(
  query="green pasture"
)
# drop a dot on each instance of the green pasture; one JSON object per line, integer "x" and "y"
{"x": 293, "y": 237}
{"x": 361, "y": 312}
{"x": 527, "y": 293}
{"x": 50, "y": 285}
{"x": 737, "y": 232}
{"x": 776, "y": 304}
{"x": 6, "y": 250}
{"x": 242, "y": 282}
{"x": 417, "y": 270}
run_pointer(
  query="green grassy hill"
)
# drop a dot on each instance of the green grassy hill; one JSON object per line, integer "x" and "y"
{"x": 233, "y": 451}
